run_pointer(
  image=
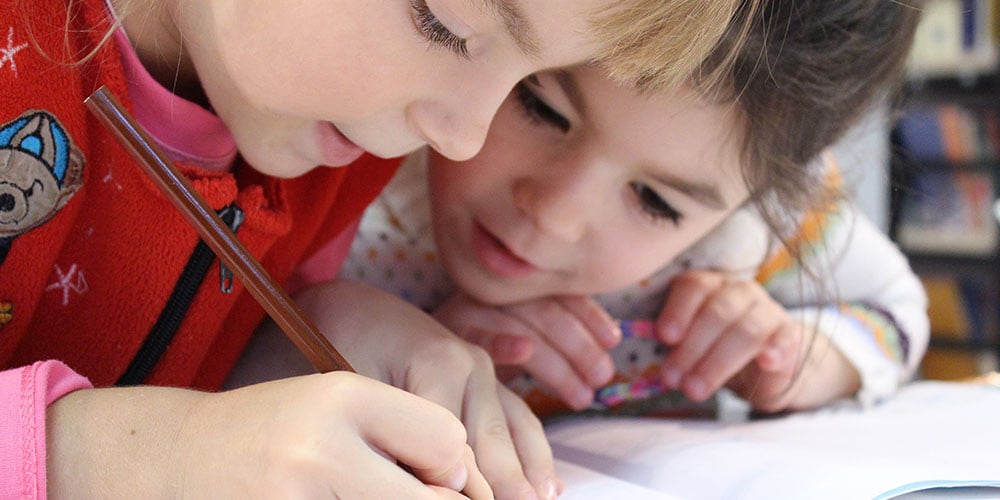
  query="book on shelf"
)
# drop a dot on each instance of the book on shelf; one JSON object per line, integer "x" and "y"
{"x": 963, "y": 323}
{"x": 950, "y": 131}
{"x": 949, "y": 211}
{"x": 959, "y": 309}
{"x": 943, "y": 363}
{"x": 932, "y": 438}
{"x": 955, "y": 38}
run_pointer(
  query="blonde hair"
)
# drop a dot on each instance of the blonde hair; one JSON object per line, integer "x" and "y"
{"x": 650, "y": 44}
{"x": 69, "y": 54}
{"x": 655, "y": 45}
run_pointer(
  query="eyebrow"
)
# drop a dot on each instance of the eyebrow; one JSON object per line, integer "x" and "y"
{"x": 706, "y": 194}
{"x": 516, "y": 24}
{"x": 569, "y": 86}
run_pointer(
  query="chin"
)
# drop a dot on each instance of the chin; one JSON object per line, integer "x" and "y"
{"x": 287, "y": 168}
{"x": 499, "y": 296}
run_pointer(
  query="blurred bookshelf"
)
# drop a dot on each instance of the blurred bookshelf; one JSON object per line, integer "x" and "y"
{"x": 944, "y": 209}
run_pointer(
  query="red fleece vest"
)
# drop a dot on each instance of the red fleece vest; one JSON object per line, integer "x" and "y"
{"x": 93, "y": 250}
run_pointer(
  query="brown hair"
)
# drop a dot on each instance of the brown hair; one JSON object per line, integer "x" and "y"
{"x": 804, "y": 72}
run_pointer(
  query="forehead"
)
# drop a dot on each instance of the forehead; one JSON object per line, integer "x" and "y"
{"x": 676, "y": 132}
{"x": 553, "y": 32}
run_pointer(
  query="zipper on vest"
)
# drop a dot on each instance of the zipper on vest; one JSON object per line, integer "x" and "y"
{"x": 225, "y": 274}
{"x": 195, "y": 271}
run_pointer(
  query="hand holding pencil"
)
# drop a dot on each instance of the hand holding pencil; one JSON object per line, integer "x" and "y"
{"x": 430, "y": 440}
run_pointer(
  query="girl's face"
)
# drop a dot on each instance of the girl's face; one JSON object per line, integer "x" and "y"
{"x": 584, "y": 187}
{"x": 303, "y": 83}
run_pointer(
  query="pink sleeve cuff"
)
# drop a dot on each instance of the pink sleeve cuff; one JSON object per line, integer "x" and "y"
{"x": 24, "y": 394}
{"x": 325, "y": 263}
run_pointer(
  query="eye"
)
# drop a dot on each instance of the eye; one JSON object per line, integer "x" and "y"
{"x": 536, "y": 110}
{"x": 431, "y": 28}
{"x": 654, "y": 205}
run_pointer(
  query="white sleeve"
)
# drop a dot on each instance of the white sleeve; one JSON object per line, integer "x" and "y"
{"x": 865, "y": 299}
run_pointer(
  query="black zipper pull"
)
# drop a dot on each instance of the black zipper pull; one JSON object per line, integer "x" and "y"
{"x": 232, "y": 215}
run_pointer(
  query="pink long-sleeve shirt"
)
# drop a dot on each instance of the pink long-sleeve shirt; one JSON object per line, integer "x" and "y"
{"x": 22, "y": 450}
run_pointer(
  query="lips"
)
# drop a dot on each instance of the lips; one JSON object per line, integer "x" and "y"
{"x": 336, "y": 150}
{"x": 496, "y": 257}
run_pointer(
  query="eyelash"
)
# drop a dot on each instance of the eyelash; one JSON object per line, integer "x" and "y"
{"x": 655, "y": 206}
{"x": 431, "y": 28}
{"x": 537, "y": 110}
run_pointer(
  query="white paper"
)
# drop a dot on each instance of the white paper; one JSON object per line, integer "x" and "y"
{"x": 930, "y": 434}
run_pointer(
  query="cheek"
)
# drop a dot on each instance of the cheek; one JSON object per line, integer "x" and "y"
{"x": 631, "y": 264}
{"x": 449, "y": 181}
{"x": 630, "y": 254}
{"x": 484, "y": 179}
{"x": 316, "y": 72}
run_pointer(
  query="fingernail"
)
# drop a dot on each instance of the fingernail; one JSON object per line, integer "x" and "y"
{"x": 773, "y": 355}
{"x": 614, "y": 334}
{"x": 669, "y": 333}
{"x": 671, "y": 377}
{"x": 550, "y": 490}
{"x": 695, "y": 388}
{"x": 583, "y": 398}
{"x": 602, "y": 373}
{"x": 458, "y": 478}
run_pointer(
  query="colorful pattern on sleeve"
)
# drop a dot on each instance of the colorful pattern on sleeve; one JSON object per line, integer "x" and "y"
{"x": 884, "y": 332}
{"x": 812, "y": 232}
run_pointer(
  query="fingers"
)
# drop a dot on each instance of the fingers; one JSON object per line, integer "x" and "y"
{"x": 720, "y": 326}
{"x": 503, "y": 348}
{"x": 516, "y": 456}
{"x": 685, "y": 297}
{"x": 554, "y": 371}
{"x": 476, "y": 485}
{"x": 562, "y": 341}
{"x": 738, "y": 345}
{"x": 701, "y": 307}
{"x": 491, "y": 434}
{"x": 783, "y": 351}
{"x": 503, "y": 336}
{"x": 336, "y": 433}
{"x": 473, "y": 393}
{"x": 575, "y": 331}
{"x": 438, "y": 457}
{"x": 768, "y": 381}
{"x": 533, "y": 448}
{"x": 568, "y": 337}
{"x": 594, "y": 319}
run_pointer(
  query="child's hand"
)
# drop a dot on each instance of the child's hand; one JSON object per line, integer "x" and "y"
{"x": 562, "y": 341}
{"x": 336, "y": 435}
{"x": 395, "y": 342}
{"x": 719, "y": 327}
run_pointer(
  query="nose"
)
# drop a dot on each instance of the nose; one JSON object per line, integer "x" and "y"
{"x": 557, "y": 203}
{"x": 456, "y": 124}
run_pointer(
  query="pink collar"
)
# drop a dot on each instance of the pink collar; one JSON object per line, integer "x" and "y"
{"x": 187, "y": 132}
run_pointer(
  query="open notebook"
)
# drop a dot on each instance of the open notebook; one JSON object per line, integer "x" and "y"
{"x": 931, "y": 435}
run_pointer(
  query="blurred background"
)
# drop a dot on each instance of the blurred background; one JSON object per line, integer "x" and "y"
{"x": 925, "y": 171}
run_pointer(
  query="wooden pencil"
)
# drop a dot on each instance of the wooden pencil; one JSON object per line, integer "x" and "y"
{"x": 230, "y": 250}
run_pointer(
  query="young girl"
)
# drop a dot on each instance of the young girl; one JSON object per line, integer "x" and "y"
{"x": 585, "y": 187}
{"x": 100, "y": 273}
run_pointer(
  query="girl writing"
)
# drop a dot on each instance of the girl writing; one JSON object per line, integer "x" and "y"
{"x": 99, "y": 273}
